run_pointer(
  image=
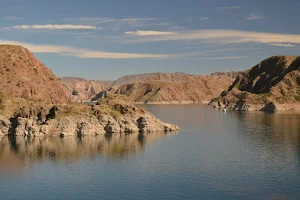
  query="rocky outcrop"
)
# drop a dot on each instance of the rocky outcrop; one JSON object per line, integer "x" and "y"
{"x": 23, "y": 76}
{"x": 175, "y": 88}
{"x": 272, "y": 85}
{"x": 112, "y": 115}
{"x": 80, "y": 89}
{"x": 4, "y": 126}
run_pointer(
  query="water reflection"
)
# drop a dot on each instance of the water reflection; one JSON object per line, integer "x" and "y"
{"x": 275, "y": 136}
{"x": 19, "y": 152}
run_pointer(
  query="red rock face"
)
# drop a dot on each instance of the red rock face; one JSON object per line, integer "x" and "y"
{"x": 23, "y": 75}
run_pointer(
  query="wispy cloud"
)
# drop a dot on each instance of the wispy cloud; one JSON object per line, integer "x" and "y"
{"x": 254, "y": 17}
{"x": 228, "y": 7}
{"x": 99, "y": 20}
{"x": 56, "y": 27}
{"x": 148, "y": 33}
{"x": 5, "y": 28}
{"x": 13, "y": 18}
{"x": 83, "y": 53}
{"x": 282, "y": 45}
{"x": 225, "y": 36}
{"x": 117, "y": 24}
{"x": 223, "y": 58}
{"x": 204, "y": 18}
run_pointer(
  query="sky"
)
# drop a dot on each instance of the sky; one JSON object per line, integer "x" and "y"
{"x": 106, "y": 39}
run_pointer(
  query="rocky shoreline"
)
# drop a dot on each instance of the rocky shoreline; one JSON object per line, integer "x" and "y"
{"x": 270, "y": 107}
{"x": 109, "y": 116}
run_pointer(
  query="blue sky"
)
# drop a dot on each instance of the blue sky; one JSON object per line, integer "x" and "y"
{"x": 105, "y": 39}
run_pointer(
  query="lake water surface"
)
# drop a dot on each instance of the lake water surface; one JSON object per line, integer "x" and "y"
{"x": 215, "y": 155}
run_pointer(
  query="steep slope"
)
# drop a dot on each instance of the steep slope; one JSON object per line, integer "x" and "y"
{"x": 22, "y": 75}
{"x": 80, "y": 89}
{"x": 182, "y": 89}
{"x": 273, "y": 84}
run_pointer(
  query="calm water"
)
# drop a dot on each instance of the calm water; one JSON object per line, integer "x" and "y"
{"x": 215, "y": 155}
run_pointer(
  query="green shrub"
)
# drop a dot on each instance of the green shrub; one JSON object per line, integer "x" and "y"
{"x": 115, "y": 114}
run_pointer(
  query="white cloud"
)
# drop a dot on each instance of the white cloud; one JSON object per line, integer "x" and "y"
{"x": 224, "y": 36}
{"x": 55, "y": 27}
{"x": 148, "y": 33}
{"x": 82, "y": 53}
{"x": 13, "y": 18}
{"x": 282, "y": 45}
{"x": 97, "y": 20}
{"x": 254, "y": 17}
{"x": 229, "y": 7}
{"x": 116, "y": 24}
{"x": 203, "y": 18}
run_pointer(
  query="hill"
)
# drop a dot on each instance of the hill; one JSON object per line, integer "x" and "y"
{"x": 273, "y": 84}
{"x": 22, "y": 75}
{"x": 169, "y": 88}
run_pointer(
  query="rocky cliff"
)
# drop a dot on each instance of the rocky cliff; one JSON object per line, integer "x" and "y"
{"x": 273, "y": 84}
{"x": 22, "y": 75}
{"x": 80, "y": 89}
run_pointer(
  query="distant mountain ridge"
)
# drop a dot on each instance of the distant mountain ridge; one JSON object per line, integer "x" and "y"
{"x": 80, "y": 89}
{"x": 159, "y": 76}
{"x": 169, "y": 87}
{"x": 232, "y": 74}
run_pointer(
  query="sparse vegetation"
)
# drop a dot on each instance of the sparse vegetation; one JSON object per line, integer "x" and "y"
{"x": 115, "y": 114}
{"x": 75, "y": 92}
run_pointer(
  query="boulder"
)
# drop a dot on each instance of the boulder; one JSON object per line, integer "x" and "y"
{"x": 4, "y": 126}
{"x": 85, "y": 128}
{"x": 112, "y": 127}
